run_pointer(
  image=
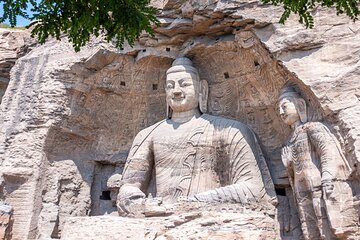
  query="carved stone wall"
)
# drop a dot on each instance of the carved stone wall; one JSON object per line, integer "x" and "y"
{"x": 68, "y": 119}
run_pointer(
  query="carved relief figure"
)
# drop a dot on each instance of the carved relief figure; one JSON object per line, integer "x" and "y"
{"x": 318, "y": 172}
{"x": 194, "y": 155}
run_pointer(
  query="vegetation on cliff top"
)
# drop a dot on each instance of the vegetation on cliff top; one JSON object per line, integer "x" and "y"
{"x": 304, "y": 7}
{"x": 124, "y": 20}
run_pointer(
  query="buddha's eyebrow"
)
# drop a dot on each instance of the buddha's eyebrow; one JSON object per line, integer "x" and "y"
{"x": 283, "y": 104}
{"x": 183, "y": 80}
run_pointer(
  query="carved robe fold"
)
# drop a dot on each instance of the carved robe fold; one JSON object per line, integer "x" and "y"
{"x": 208, "y": 158}
{"x": 312, "y": 158}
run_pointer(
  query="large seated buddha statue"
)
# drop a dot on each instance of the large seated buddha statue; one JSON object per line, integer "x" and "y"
{"x": 194, "y": 155}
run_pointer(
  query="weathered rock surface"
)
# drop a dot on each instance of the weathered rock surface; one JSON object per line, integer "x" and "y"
{"x": 326, "y": 59}
{"x": 6, "y": 221}
{"x": 13, "y": 44}
{"x": 221, "y": 224}
{"x": 68, "y": 119}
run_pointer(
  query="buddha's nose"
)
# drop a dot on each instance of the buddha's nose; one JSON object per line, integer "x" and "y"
{"x": 281, "y": 112}
{"x": 177, "y": 93}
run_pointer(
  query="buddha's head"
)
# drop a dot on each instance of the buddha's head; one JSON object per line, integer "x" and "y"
{"x": 292, "y": 106}
{"x": 184, "y": 89}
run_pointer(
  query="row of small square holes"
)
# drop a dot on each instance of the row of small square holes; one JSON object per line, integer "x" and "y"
{"x": 167, "y": 49}
{"x": 226, "y": 75}
{"x": 154, "y": 86}
{"x": 144, "y": 50}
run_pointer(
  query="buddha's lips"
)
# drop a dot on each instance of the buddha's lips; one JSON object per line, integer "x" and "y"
{"x": 283, "y": 116}
{"x": 178, "y": 98}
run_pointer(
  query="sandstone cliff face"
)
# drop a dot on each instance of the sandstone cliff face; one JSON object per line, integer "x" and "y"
{"x": 13, "y": 44}
{"x": 326, "y": 59}
{"x": 68, "y": 119}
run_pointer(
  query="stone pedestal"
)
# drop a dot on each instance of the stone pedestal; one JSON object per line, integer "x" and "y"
{"x": 218, "y": 223}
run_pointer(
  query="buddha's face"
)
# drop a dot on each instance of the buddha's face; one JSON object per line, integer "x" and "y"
{"x": 182, "y": 91}
{"x": 288, "y": 111}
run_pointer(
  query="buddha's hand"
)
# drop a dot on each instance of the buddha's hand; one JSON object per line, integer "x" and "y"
{"x": 129, "y": 201}
{"x": 327, "y": 187}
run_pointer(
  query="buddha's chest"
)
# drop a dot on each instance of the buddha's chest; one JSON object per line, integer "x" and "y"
{"x": 187, "y": 160}
{"x": 299, "y": 155}
{"x": 185, "y": 152}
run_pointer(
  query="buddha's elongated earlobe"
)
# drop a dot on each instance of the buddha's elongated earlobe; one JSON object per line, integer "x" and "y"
{"x": 168, "y": 111}
{"x": 301, "y": 109}
{"x": 203, "y": 96}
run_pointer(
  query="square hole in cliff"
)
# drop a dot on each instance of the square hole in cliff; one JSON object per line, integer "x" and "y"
{"x": 280, "y": 191}
{"x": 105, "y": 195}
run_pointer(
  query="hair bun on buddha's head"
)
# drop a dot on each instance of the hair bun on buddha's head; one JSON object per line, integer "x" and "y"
{"x": 183, "y": 61}
{"x": 289, "y": 90}
{"x": 182, "y": 64}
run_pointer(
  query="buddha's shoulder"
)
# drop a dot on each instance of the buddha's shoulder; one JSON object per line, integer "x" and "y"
{"x": 222, "y": 122}
{"x": 149, "y": 130}
{"x": 314, "y": 127}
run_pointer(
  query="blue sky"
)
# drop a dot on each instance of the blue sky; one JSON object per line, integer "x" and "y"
{"x": 20, "y": 20}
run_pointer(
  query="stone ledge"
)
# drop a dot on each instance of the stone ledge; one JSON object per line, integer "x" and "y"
{"x": 193, "y": 225}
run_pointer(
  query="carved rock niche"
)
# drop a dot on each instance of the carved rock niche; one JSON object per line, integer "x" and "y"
{"x": 109, "y": 96}
{"x": 109, "y": 106}
{"x": 114, "y": 96}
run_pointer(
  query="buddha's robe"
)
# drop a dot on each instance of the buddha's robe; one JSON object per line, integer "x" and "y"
{"x": 313, "y": 157}
{"x": 208, "y": 158}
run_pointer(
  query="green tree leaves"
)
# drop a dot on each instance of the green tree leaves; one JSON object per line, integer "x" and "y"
{"x": 304, "y": 7}
{"x": 124, "y": 20}
{"x": 14, "y": 8}
{"x": 79, "y": 19}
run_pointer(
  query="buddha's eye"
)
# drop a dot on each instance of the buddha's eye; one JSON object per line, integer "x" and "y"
{"x": 169, "y": 86}
{"x": 185, "y": 84}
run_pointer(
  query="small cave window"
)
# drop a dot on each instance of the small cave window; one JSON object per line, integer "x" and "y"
{"x": 256, "y": 63}
{"x": 226, "y": 75}
{"x": 121, "y": 49}
{"x": 144, "y": 50}
{"x": 168, "y": 49}
{"x": 122, "y": 83}
{"x": 105, "y": 195}
{"x": 155, "y": 86}
{"x": 280, "y": 191}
